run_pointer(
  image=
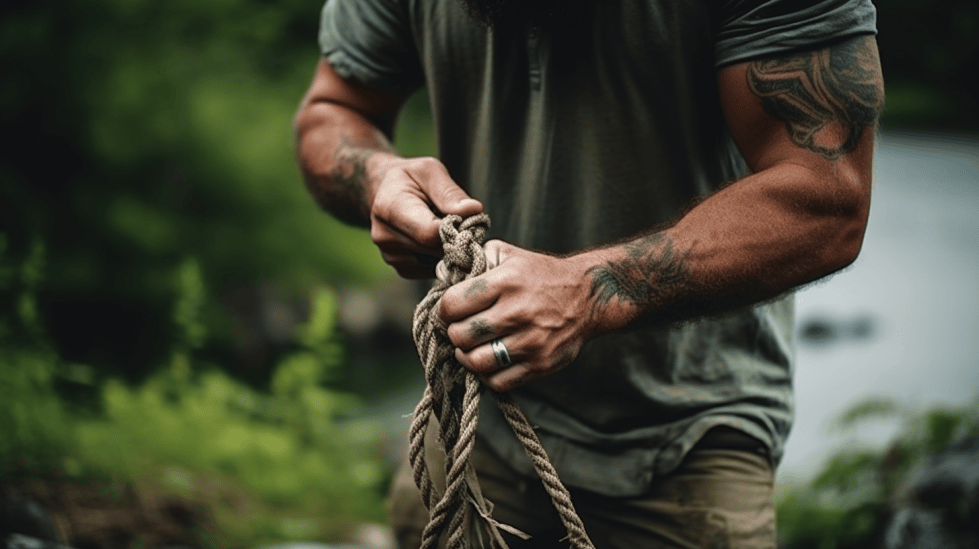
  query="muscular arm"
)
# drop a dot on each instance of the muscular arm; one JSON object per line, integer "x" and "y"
{"x": 343, "y": 132}
{"x": 805, "y": 123}
{"x": 340, "y": 127}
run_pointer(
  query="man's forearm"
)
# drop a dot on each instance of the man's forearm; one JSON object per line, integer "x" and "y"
{"x": 805, "y": 122}
{"x": 748, "y": 243}
{"x": 335, "y": 148}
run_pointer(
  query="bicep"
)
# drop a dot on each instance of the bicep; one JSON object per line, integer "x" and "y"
{"x": 817, "y": 108}
{"x": 329, "y": 88}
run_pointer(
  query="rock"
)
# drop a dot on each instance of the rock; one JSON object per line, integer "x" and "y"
{"x": 25, "y": 517}
{"x": 20, "y": 541}
{"x": 939, "y": 502}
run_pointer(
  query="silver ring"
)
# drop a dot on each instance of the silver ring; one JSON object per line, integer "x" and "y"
{"x": 501, "y": 354}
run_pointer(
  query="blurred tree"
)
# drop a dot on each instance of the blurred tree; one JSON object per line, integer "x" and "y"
{"x": 143, "y": 134}
{"x": 930, "y": 58}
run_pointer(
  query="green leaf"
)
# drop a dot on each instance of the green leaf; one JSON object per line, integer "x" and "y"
{"x": 869, "y": 409}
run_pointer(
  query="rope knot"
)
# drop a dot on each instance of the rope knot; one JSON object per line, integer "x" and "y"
{"x": 462, "y": 246}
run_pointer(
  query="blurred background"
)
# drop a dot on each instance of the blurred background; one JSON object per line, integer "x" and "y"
{"x": 192, "y": 355}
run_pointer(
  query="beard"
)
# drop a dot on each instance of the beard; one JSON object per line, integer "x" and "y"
{"x": 510, "y": 13}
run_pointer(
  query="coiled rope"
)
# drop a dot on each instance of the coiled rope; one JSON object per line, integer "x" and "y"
{"x": 452, "y": 398}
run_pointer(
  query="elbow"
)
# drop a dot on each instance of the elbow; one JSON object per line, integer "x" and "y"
{"x": 849, "y": 225}
{"x": 849, "y": 244}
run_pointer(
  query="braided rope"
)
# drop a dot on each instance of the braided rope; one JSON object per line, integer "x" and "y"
{"x": 452, "y": 398}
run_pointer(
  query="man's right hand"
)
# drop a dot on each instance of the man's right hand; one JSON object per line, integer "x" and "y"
{"x": 408, "y": 200}
{"x": 343, "y": 132}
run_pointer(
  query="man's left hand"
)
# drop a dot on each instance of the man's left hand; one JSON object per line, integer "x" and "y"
{"x": 538, "y": 305}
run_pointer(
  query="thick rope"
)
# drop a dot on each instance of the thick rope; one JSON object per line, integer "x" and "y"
{"x": 452, "y": 398}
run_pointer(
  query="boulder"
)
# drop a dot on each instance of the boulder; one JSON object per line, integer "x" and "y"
{"x": 938, "y": 502}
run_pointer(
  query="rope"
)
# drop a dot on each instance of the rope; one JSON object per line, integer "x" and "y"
{"x": 452, "y": 398}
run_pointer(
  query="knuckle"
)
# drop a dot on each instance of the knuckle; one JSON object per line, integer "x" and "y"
{"x": 456, "y": 335}
{"x": 385, "y": 196}
{"x": 447, "y": 305}
{"x": 462, "y": 359}
{"x": 381, "y": 236}
{"x": 427, "y": 164}
{"x": 381, "y": 216}
{"x": 497, "y": 386}
{"x": 537, "y": 366}
{"x": 507, "y": 276}
{"x": 499, "y": 246}
{"x": 493, "y": 246}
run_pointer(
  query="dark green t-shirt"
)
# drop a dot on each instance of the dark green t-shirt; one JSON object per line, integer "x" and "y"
{"x": 582, "y": 133}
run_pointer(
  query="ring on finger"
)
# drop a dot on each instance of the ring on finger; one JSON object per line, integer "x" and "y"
{"x": 501, "y": 353}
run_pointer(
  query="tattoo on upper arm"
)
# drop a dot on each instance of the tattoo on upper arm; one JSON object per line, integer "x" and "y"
{"x": 827, "y": 98}
{"x": 652, "y": 268}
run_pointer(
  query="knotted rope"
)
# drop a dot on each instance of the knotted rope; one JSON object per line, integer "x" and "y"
{"x": 452, "y": 398}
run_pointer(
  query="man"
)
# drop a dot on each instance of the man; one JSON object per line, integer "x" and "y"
{"x": 661, "y": 175}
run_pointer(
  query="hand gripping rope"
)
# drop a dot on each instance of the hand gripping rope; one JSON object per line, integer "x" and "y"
{"x": 452, "y": 398}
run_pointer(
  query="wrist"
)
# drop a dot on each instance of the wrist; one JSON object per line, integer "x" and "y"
{"x": 376, "y": 167}
{"x": 608, "y": 313}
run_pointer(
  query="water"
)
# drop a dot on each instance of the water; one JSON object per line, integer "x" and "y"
{"x": 905, "y": 317}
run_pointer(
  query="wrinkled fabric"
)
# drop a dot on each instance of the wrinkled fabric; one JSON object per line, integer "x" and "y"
{"x": 583, "y": 133}
{"x": 716, "y": 498}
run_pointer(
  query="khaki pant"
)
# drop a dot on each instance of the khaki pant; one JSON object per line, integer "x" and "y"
{"x": 717, "y": 498}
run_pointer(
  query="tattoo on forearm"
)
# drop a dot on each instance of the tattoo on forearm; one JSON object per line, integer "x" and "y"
{"x": 349, "y": 178}
{"x": 652, "y": 269}
{"x": 827, "y": 99}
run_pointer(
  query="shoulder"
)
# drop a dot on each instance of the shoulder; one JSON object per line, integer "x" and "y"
{"x": 750, "y": 29}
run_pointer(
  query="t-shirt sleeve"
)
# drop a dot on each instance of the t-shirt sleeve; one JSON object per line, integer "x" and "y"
{"x": 370, "y": 42}
{"x": 750, "y": 29}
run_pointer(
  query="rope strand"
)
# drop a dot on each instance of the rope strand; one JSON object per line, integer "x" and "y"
{"x": 452, "y": 398}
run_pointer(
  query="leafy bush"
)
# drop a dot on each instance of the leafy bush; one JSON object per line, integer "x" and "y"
{"x": 841, "y": 508}
{"x": 33, "y": 424}
{"x": 143, "y": 134}
{"x": 292, "y": 462}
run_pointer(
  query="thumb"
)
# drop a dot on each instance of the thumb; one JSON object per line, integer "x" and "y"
{"x": 496, "y": 252}
{"x": 449, "y": 198}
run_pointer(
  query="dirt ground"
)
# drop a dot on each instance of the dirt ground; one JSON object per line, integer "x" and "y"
{"x": 93, "y": 515}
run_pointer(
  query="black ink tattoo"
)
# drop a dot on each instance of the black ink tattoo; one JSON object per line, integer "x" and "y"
{"x": 479, "y": 329}
{"x": 827, "y": 99}
{"x": 475, "y": 289}
{"x": 651, "y": 269}
{"x": 349, "y": 179}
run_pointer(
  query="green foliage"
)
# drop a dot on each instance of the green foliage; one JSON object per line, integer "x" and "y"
{"x": 841, "y": 507}
{"x": 146, "y": 133}
{"x": 297, "y": 454}
{"x": 34, "y": 428}
{"x": 294, "y": 462}
{"x": 149, "y": 183}
{"x": 929, "y": 55}
{"x": 33, "y": 424}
